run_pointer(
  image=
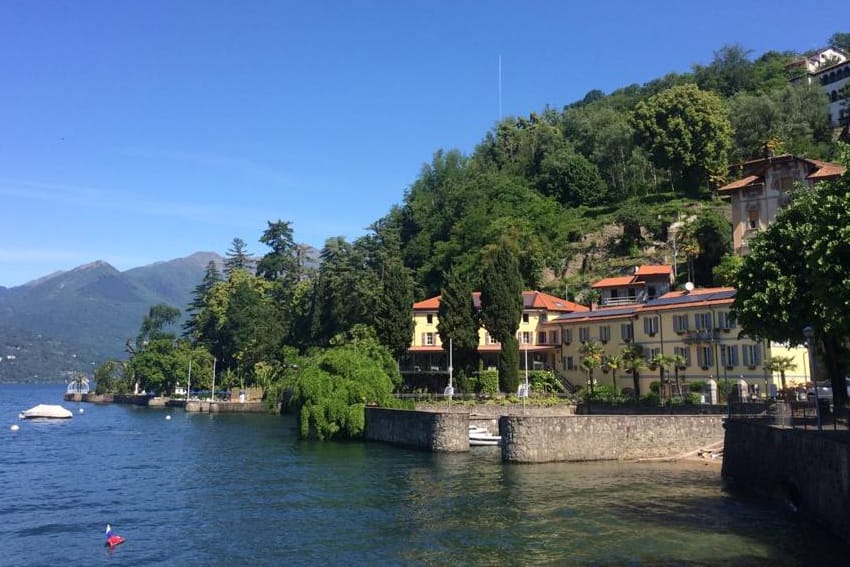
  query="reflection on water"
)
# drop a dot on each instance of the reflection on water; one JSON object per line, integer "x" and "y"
{"x": 234, "y": 490}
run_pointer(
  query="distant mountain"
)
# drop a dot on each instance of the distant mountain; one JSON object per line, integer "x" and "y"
{"x": 73, "y": 320}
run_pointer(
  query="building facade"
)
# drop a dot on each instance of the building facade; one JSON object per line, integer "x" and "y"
{"x": 694, "y": 324}
{"x": 538, "y": 343}
{"x": 763, "y": 187}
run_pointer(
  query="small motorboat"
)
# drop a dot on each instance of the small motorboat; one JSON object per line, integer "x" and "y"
{"x": 46, "y": 411}
{"x": 479, "y": 436}
{"x": 111, "y": 539}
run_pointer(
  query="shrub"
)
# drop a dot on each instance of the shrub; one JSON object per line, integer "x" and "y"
{"x": 603, "y": 393}
{"x": 487, "y": 382}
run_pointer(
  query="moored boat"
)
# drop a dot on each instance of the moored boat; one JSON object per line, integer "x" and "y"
{"x": 479, "y": 436}
{"x": 46, "y": 411}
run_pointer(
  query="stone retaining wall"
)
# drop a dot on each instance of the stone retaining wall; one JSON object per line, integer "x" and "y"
{"x": 808, "y": 470}
{"x": 433, "y": 431}
{"x": 533, "y": 439}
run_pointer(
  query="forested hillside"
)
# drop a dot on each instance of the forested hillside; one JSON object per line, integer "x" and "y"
{"x": 592, "y": 188}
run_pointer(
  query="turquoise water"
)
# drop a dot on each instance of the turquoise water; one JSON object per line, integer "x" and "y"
{"x": 202, "y": 489}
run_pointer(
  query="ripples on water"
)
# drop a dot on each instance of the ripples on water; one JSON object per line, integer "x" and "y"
{"x": 244, "y": 490}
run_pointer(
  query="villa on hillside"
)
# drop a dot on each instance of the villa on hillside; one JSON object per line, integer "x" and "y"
{"x": 427, "y": 354}
{"x": 763, "y": 186}
{"x": 693, "y": 323}
{"x": 641, "y": 310}
{"x": 830, "y": 69}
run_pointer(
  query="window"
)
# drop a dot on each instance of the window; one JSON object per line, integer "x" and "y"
{"x": 651, "y": 292}
{"x": 627, "y": 332}
{"x": 702, "y": 321}
{"x": 541, "y": 337}
{"x": 685, "y": 353}
{"x": 752, "y": 218}
{"x": 680, "y": 323}
{"x": 752, "y": 355}
{"x": 568, "y": 363}
{"x": 525, "y": 317}
{"x": 526, "y": 337}
{"x": 705, "y": 357}
{"x": 584, "y": 334}
{"x": 728, "y": 356}
{"x": 605, "y": 333}
{"x": 568, "y": 336}
{"x": 428, "y": 339}
{"x": 553, "y": 337}
{"x": 651, "y": 352}
{"x": 650, "y": 325}
{"x": 725, "y": 321}
{"x": 543, "y": 318}
{"x": 430, "y": 318}
{"x": 490, "y": 340}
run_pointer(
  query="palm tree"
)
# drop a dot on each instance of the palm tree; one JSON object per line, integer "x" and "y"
{"x": 679, "y": 362}
{"x": 612, "y": 363}
{"x": 633, "y": 363}
{"x": 781, "y": 364}
{"x": 662, "y": 362}
{"x": 592, "y": 353}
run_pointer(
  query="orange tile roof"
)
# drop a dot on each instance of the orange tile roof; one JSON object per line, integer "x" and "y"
{"x": 540, "y": 300}
{"x": 654, "y": 270}
{"x": 430, "y": 304}
{"x": 741, "y": 183}
{"x": 826, "y": 170}
{"x": 531, "y": 300}
{"x": 619, "y": 281}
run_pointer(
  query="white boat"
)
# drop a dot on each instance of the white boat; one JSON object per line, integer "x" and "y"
{"x": 46, "y": 411}
{"x": 479, "y": 436}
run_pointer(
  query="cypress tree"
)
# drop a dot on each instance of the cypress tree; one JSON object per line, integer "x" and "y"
{"x": 501, "y": 309}
{"x": 459, "y": 322}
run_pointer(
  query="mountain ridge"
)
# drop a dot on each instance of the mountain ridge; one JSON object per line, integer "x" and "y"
{"x": 70, "y": 321}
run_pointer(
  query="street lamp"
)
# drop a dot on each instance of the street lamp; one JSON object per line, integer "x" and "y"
{"x": 809, "y": 334}
{"x": 450, "y": 390}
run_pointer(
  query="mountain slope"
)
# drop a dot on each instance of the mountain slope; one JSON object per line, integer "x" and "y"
{"x": 76, "y": 319}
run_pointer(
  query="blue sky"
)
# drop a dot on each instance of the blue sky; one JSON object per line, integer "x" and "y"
{"x": 144, "y": 130}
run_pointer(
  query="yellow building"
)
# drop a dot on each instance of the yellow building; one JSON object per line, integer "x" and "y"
{"x": 538, "y": 343}
{"x": 694, "y": 324}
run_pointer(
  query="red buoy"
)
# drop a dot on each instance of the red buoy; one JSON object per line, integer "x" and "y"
{"x": 111, "y": 539}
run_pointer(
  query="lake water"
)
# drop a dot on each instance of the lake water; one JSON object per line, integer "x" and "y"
{"x": 202, "y": 489}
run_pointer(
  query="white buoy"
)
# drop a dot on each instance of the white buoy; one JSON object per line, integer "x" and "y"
{"x": 15, "y": 427}
{"x": 167, "y": 417}
{"x": 82, "y": 410}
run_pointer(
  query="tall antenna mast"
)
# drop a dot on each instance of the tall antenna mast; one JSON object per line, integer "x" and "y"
{"x": 500, "y": 88}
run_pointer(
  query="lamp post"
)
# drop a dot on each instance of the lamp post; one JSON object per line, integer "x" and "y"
{"x": 450, "y": 390}
{"x": 809, "y": 334}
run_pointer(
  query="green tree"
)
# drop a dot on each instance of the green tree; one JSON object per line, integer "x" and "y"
{"x": 332, "y": 388}
{"x": 153, "y": 325}
{"x": 501, "y": 308}
{"x": 393, "y": 322}
{"x": 281, "y": 263}
{"x": 726, "y": 272}
{"x": 686, "y": 130}
{"x": 661, "y": 362}
{"x": 633, "y": 363}
{"x": 796, "y": 276}
{"x": 571, "y": 179}
{"x": 840, "y": 40}
{"x": 612, "y": 363}
{"x": 199, "y": 296}
{"x": 730, "y": 72}
{"x": 592, "y": 354}
{"x": 458, "y": 321}
{"x": 781, "y": 364}
{"x": 237, "y": 257}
